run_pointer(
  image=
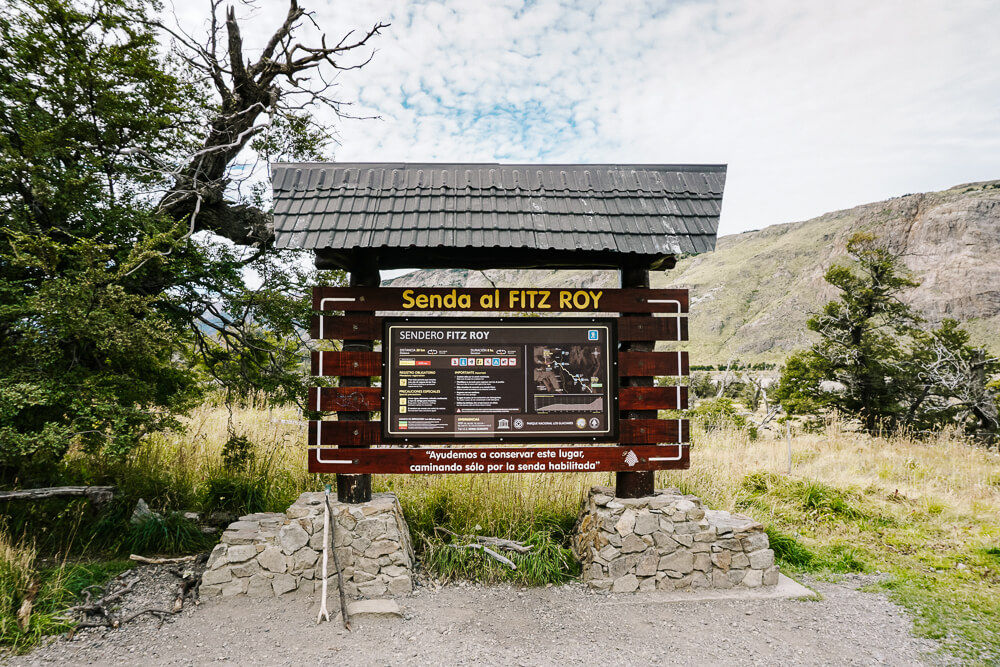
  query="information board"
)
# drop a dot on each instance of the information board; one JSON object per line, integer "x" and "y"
{"x": 528, "y": 379}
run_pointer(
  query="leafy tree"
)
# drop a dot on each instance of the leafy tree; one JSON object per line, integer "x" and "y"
{"x": 892, "y": 372}
{"x": 127, "y": 236}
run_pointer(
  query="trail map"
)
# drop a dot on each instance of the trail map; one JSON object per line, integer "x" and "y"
{"x": 497, "y": 380}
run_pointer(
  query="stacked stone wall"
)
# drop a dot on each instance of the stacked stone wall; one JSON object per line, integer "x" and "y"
{"x": 668, "y": 541}
{"x": 264, "y": 555}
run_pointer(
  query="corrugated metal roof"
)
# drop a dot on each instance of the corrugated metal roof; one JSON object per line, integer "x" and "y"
{"x": 627, "y": 209}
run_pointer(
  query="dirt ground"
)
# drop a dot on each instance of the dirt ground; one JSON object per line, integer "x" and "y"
{"x": 474, "y": 625}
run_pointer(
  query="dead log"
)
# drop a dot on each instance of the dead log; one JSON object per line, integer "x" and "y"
{"x": 98, "y": 495}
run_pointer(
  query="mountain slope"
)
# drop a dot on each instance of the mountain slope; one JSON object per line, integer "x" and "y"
{"x": 752, "y": 296}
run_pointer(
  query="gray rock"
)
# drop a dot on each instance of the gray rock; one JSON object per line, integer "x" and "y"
{"x": 247, "y": 569}
{"x": 595, "y": 571}
{"x": 381, "y": 548}
{"x": 633, "y": 544}
{"x": 246, "y": 536}
{"x": 367, "y": 565}
{"x": 601, "y": 499}
{"x": 755, "y": 542}
{"x": 664, "y": 543}
{"x": 625, "y": 584}
{"x": 372, "y": 589}
{"x": 401, "y": 585}
{"x": 292, "y": 538}
{"x": 362, "y": 577}
{"x": 209, "y": 591}
{"x": 218, "y": 556}
{"x": 626, "y": 523}
{"x": 723, "y": 560}
{"x": 360, "y": 544}
{"x": 705, "y": 535}
{"x": 770, "y": 576}
{"x": 394, "y": 570}
{"x": 617, "y": 568}
{"x": 646, "y": 523}
{"x": 305, "y": 558}
{"x": 648, "y": 584}
{"x": 700, "y": 580}
{"x": 720, "y": 580}
{"x": 235, "y": 587}
{"x": 681, "y": 562}
{"x": 702, "y": 562}
{"x": 142, "y": 513}
{"x": 241, "y": 552}
{"x": 283, "y": 583}
{"x": 220, "y": 576}
{"x": 761, "y": 560}
{"x": 272, "y": 559}
{"x": 259, "y": 586}
{"x": 375, "y": 608}
{"x": 753, "y": 578}
{"x": 646, "y": 567}
{"x": 740, "y": 560}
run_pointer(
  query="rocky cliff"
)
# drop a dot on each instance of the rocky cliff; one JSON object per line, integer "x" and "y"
{"x": 752, "y": 296}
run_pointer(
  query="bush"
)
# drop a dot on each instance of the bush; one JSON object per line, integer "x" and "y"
{"x": 720, "y": 413}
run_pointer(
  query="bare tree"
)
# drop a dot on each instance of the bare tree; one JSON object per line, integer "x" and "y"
{"x": 287, "y": 80}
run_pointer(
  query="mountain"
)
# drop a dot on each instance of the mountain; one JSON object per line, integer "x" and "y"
{"x": 751, "y": 297}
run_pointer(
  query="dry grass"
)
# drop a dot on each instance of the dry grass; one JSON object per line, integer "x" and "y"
{"x": 925, "y": 511}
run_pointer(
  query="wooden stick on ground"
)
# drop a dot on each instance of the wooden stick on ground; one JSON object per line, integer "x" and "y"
{"x": 162, "y": 561}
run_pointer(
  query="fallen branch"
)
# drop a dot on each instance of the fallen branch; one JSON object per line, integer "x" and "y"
{"x": 499, "y": 543}
{"x": 489, "y": 552}
{"x": 162, "y": 561}
{"x": 147, "y": 610}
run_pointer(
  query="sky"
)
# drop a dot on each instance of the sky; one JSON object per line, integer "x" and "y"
{"x": 814, "y": 106}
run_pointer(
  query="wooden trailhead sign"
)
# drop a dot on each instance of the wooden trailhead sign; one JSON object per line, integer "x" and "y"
{"x": 453, "y": 384}
{"x": 498, "y": 380}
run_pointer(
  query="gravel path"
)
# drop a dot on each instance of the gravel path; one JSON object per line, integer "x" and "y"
{"x": 474, "y": 625}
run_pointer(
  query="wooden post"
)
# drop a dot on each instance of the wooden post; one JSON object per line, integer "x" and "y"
{"x": 636, "y": 484}
{"x": 357, "y": 488}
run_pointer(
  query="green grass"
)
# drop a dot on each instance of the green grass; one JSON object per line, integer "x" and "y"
{"x": 50, "y": 589}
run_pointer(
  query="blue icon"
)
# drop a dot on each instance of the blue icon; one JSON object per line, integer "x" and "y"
{"x": 496, "y": 361}
{"x": 592, "y": 334}
{"x": 462, "y": 362}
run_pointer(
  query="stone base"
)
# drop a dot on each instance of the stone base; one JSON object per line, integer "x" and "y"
{"x": 667, "y": 541}
{"x": 264, "y": 555}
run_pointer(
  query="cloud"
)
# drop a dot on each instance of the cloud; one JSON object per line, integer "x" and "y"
{"x": 814, "y": 106}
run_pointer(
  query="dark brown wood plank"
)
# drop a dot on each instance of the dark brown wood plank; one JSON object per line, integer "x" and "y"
{"x": 653, "y": 363}
{"x": 344, "y": 433}
{"x": 465, "y": 299}
{"x": 400, "y": 461}
{"x": 652, "y": 328}
{"x": 345, "y": 399}
{"x": 369, "y": 433}
{"x": 345, "y": 327}
{"x": 652, "y": 398}
{"x": 346, "y": 364}
{"x": 653, "y": 431}
{"x": 367, "y": 327}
